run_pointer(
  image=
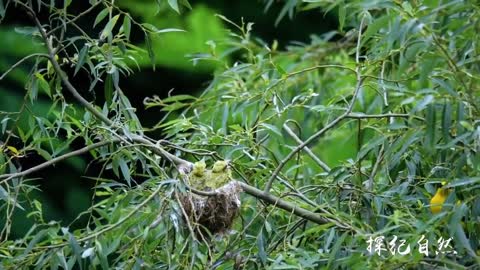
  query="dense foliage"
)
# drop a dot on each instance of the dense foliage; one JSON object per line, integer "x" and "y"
{"x": 336, "y": 143}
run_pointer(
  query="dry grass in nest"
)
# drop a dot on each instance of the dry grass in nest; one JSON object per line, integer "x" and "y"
{"x": 215, "y": 213}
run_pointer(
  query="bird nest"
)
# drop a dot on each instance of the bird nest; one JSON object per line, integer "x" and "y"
{"x": 214, "y": 213}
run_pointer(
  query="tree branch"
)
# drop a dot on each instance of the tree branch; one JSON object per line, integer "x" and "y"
{"x": 52, "y": 161}
{"x": 386, "y": 115}
{"x": 298, "y": 211}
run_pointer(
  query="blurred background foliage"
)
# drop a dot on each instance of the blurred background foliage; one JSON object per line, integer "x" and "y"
{"x": 239, "y": 91}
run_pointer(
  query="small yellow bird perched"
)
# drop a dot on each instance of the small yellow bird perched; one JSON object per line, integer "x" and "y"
{"x": 220, "y": 175}
{"x": 437, "y": 201}
{"x": 198, "y": 175}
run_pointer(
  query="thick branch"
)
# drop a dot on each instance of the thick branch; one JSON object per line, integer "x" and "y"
{"x": 290, "y": 207}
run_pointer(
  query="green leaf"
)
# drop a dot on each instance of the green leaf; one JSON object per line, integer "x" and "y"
{"x": 178, "y": 98}
{"x": 44, "y": 154}
{"x": 174, "y": 5}
{"x": 27, "y": 30}
{"x": 34, "y": 241}
{"x": 335, "y": 249}
{"x": 82, "y": 56}
{"x": 109, "y": 27}
{"x": 375, "y": 26}
{"x": 101, "y": 255}
{"x": 2, "y": 9}
{"x": 151, "y": 53}
{"x": 168, "y": 30}
{"x": 446, "y": 121}
{"x": 108, "y": 89}
{"x": 66, "y": 3}
{"x": 77, "y": 250}
{"x": 261, "y": 247}
{"x": 342, "y": 11}
{"x": 127, "y": 25}
{"x": 124, "y": 169}
{"x": 463, "y": 182}
{"x": 272, "y": 128}
{"x": 430, "y": 129}
{"x": 43, "y": 84}
{"x": 101, "y": 16}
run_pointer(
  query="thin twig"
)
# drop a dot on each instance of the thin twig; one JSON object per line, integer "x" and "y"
{"x": 55, "y": 160}
{"x": 75, "y": 18}
{"x": 386, "y": 115}
{"x": 21, "y": 61}
{"x": 306, "y": 148}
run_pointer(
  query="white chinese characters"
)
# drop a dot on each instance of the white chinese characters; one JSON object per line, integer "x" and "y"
{"x": 380, "y": 245}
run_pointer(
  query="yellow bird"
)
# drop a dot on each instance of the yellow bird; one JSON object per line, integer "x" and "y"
{"x": 198, "y": 175}
{"x": 220, "y": 175}
{"x": 437, "y": 201}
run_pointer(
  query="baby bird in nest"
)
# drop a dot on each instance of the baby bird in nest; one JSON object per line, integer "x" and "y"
{"x": 220, "y": 175}
{"x": 199, "y": 175}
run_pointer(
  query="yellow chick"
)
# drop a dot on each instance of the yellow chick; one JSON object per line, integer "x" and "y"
{"x": 437, "y": 201}
{"x": 198, "y": 175}
{"x": 220, "y": 175}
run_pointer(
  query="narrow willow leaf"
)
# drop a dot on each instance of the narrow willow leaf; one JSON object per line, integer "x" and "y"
{"x": 2, "y": 9}
{"x": 34, "y": 241}
{"x": 66, "y": 3}
{"x": 77, "y": 250}
{"x": 335, "y": 249}
{"x": 101, "y": 255}
{"x": 125, "y": 170}
{"x": 430, "y": 129}
{"x": 178, "y": 98}
{"x": 290, "y": 5}
{"x": 261, "y": 247}
{"x": 108, "y": 89}
{"x": 151, "y": 53}
{"x": 186, "y": 4}
{"x": 375, "y": 26}
{"x": 82, "y": 56}
{"x": 174, "y": 5}
{"x": 342, "y": 11}
{"x": 446, "y": 121}
{"x": 100, "y": 16}
{"x": 109, "y": 27}
{"x": 127, "y": 25}
{"x": 464, "y": 182}
{"x": 43, "y": 84}
{"x": 168, "y": 30}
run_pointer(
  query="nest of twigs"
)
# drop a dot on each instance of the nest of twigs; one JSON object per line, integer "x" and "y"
{"x": 214, "y": 213}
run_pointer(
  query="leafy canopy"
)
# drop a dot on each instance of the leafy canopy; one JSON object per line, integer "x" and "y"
{"x": 351, "y": 134}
